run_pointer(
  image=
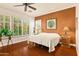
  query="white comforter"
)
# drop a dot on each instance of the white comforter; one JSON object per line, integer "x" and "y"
{"x": 47, "y": 39}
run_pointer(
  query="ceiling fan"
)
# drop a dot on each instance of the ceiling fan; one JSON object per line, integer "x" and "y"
{"x": 26, "y": 5}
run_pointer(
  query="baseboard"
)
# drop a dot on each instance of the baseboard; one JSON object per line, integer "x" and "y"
{"x": 14, "y": 40}
{"x": 74, "y": 45}
{"x": 77, "y": 51}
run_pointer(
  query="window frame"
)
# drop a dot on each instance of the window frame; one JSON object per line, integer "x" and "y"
{"x": 11, "y": 24}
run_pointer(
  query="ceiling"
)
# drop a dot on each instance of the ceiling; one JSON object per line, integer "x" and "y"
{"x": 42, "y": 8}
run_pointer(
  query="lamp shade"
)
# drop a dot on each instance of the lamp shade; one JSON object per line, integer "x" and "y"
{"x": 66, "y": 29}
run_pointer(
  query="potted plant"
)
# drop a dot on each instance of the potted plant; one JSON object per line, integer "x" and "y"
{"x": 5, "y": 31}
{"x": 1, "y": 33}
{"x": 9, "y": 34}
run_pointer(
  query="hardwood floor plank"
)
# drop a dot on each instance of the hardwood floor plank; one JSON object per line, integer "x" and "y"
{"x": 23, "y": 49}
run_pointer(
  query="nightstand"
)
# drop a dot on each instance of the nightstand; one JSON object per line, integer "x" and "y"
{"x": 65, "y": 40}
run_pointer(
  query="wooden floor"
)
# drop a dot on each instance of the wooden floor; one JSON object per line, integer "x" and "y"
{"x": 23, "y": 49}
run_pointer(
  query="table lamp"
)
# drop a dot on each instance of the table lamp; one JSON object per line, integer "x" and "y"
{"x": 66, "y": 30}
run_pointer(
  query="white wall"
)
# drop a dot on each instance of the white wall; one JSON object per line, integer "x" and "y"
{"x": 77, "y": 29}
{"x": 27, "y": 18}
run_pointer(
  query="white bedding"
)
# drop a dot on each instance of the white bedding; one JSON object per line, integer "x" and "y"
{"x": 47, "y": 39}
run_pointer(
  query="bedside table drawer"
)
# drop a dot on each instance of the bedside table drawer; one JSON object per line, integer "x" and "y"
{"x": 65, "y": 40}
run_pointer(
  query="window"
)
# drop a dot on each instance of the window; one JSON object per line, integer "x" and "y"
{"x": 7, "y": 22}
{"x": 37, "y": 26}
{"x": 25, "y": 27}
{"x": 20, "y": 27}
{"x": 1, "y": 21}
{"x": 17, "y": 25}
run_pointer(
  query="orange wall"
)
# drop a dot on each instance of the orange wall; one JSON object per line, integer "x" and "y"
{"x": 64, "y": 18}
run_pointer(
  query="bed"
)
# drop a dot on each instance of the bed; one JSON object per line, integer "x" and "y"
{"x": 49, "y": 40}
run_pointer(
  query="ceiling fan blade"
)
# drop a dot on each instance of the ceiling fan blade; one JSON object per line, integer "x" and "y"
{"x": 25, "y": 8}
{"x": 18, "y": 5}
{"x": 32, "y": 7}
{"x": 27, "y": 3}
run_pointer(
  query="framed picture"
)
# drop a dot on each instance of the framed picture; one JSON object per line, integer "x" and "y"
{"x": 51, "y": 23}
